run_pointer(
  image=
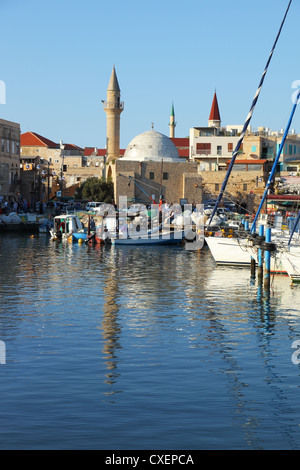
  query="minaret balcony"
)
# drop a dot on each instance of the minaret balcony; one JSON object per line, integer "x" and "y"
{"x": 113, "y": 105}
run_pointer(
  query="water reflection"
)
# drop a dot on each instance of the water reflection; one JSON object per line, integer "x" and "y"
{"x": 110, "y": 324}
{"x": 185, "y": 340}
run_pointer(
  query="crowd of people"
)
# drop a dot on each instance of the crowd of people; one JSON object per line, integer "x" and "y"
{"x": 20, "y": 206}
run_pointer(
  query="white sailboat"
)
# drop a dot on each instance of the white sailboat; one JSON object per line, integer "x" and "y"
{"x": 238, "y": 252}
{"x": 291, "y": 262}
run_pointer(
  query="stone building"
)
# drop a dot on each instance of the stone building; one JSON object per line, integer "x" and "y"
{"x": 212, "y": 146}
{"x": 9, "y": 159}
{"x": 44, "y": 162}
{"x": 60, "y": 156}
{"x": 245, "y": 185}
{"x": 151, "y": 168}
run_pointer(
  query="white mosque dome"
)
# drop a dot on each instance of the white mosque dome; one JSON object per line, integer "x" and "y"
{"x": 151, "y": 146}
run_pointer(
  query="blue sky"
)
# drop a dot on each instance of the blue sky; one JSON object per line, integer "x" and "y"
{"x": 57, "y": 58}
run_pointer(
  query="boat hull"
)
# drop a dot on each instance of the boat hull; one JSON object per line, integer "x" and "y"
{"x": 79, "y": 236}
{"x": 173, "y": 238}
{"x": 291, "y": 261}
{"x": 237, "y": 252}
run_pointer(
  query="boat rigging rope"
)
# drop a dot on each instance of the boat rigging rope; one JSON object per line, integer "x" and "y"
{"x": 248, "y": 119}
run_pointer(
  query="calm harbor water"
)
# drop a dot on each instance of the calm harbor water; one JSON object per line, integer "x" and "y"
{"x": 134, "y": 348}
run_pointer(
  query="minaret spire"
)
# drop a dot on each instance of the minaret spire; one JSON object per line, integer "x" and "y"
{"x": 172, "y": 124}
{"x": 113, "y": 108}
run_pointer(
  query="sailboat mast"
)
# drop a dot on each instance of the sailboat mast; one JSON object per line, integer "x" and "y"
{"x": 248, "y": 119}
{"x": 270, "y": 179}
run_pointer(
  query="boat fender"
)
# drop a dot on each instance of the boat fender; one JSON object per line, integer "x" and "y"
{"x": 259, "y": 240}
{"x": 268, "y": 246}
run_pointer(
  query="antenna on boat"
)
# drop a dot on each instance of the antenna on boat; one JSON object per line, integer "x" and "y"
{"x": 248, "y": 119}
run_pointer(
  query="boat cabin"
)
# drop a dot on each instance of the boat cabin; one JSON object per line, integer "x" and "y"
{"x": 65, "y": 225}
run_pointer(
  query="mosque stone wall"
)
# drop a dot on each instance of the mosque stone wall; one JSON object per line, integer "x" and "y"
{"x": 172, "y": 180}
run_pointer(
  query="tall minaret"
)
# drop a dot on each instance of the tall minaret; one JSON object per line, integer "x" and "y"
{"x": 172, "y": 124}
{"x": 214, "y": 117}
{"x": 113, "y": 108}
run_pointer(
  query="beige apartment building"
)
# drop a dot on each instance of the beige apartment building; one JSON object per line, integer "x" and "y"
{"x": 212, "y": 147}
{"x": 60, "y": 156}
{"x": 9, "y": 159}
{"x": 47, "y": 166}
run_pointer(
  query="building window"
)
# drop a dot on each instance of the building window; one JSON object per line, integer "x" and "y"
{"x": 217, "y": 187}
{"x": 203, "y": 149}
{"x": 151, "y": 175}
{"x": 230, "y": 147}
{"x": 292, "y": 168}
{"x": 245, "y": 187}
{"x": 253, "y": 148}
{"x": 165, "y": 176}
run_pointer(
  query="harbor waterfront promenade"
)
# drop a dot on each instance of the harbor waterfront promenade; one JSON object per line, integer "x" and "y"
{"x": 128, "y": 347}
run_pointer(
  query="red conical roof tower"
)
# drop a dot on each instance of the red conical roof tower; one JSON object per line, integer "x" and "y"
{"x": 214, "y": 117}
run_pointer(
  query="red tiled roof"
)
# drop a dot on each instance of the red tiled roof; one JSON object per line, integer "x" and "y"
{"x": 72, "y": 147}
{"x": 89, "y": 150}
{"x": 181, "y": 141}
{"x": 214, "y": 112}
{"x": 184, "y": 153}
{"x": 33, "y": 139}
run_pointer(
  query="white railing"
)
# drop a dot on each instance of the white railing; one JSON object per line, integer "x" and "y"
{"x": 203, "y": 152}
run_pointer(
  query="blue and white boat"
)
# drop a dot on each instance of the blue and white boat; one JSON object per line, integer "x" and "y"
{"x": 150, "y": 237}
{"x": 65, "y": 226}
